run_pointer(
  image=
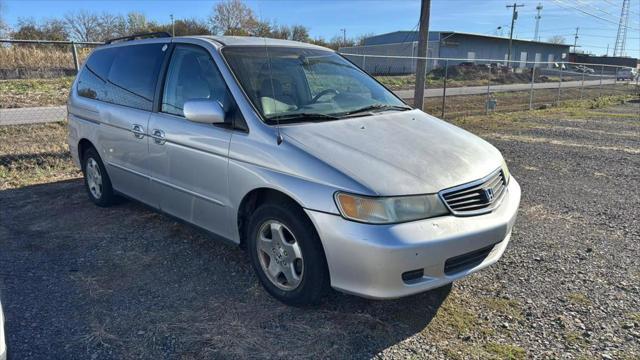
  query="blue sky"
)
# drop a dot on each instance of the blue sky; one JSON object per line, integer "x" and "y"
{"x": 326, "y": 18}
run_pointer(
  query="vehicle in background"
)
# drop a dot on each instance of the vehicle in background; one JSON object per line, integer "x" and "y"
{"x": 560, "y": 66}
{"x": 466, "y": 64}
{"x": 627, "y": 73}
{"x": 289, "y": 150}
{"x": 584, "y": 69}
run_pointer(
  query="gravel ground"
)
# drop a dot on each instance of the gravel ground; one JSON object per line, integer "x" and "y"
{"x": 79, "y": 281}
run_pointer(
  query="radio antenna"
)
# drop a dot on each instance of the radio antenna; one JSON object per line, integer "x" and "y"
{"x": 273, "y": 93}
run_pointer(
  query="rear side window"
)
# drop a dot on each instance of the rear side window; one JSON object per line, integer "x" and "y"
{"x": 124, "y": 75}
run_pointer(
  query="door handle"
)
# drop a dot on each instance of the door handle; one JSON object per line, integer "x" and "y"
{"x": 158, "y": 136}
{"x": 138, "y": 131}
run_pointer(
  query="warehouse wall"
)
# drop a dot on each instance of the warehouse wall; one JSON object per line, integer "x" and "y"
{"x": 390, "y": 65}
{"x": 468, "y": 46}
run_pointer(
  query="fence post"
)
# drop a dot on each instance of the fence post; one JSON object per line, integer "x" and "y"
{"x": 601, "y": 76}
{"x": 364, "y": 63}
{"x": 486, "y": 101}
{"x": 444, "y": 88}
{"x": 533, "y": 76}
{"x": 582, "y": 86}
{"x": 74, "y": 52}
{"x": 560, "y": 84}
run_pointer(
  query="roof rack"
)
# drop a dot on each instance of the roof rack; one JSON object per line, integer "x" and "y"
{"x": 158, "y": 34}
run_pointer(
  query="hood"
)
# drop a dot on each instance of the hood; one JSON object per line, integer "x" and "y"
{"x": 398, "y": 153}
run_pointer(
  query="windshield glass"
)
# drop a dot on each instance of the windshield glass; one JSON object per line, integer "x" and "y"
{"x": 299, "y": 84}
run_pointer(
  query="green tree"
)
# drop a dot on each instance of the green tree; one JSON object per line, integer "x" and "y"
{"x": 51, "y": 29}
{"x": 183, "y": 27}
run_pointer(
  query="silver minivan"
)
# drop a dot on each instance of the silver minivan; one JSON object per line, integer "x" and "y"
{"x": 289, "y": 150}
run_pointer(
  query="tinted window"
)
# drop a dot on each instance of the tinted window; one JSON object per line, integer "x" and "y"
{"x": 192, "y": 74}
{"x": 124, "y": 75}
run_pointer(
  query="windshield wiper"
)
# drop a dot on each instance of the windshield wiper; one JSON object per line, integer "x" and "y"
{"x": 375, "y": 107}
{"x": 300, "y": 117}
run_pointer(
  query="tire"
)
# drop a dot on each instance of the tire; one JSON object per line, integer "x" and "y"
{"x": 286, "y": 225}
{"x": 96, "y": 180}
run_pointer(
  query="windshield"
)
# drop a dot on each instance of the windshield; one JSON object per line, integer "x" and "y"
{"x": 298, "y": 84}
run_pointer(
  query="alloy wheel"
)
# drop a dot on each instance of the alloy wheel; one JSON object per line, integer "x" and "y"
{"x": 94, "y": 178}
{"x": 280, "y": 255}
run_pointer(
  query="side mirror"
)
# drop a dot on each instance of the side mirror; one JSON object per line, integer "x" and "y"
{"x": 204, "y": 111}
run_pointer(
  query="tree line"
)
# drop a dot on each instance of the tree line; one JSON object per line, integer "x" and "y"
{"x": 230, "y": 17}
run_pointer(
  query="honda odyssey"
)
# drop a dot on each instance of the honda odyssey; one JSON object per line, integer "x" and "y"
{"x": 289, "y": 150}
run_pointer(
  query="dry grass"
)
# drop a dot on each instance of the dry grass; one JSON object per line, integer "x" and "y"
{"x": 33, "y": 154}
{"x": 17, "y": 57}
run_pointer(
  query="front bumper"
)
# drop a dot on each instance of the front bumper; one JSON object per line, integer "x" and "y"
{"x": 369, "y": 260}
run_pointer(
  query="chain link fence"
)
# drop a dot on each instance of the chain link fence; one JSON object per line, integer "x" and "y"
{"x": 35, "y": 77}
{"x": 461, "y": 87}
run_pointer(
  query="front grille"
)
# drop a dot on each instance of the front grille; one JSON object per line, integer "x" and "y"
{"x": 477, "y": 197}
{"x": 466, "y": 261}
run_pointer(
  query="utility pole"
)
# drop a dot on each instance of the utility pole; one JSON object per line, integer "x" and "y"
{"x": 575, "y": 39}
{"x": 514, "y": 16}
{"x": 607, "y": 54}
{"x": 344, "y": 37}
{"x": 173, "y": 27}
{"x": 536, "y": 37}
{"x": 421, "y": 63}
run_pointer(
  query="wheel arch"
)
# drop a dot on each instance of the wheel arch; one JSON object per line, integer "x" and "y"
{"x": 252, "y": 200}
{"x": 83, "y": 145}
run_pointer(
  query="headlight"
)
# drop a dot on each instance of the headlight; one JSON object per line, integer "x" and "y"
{"x": 386, "y": 210}
{"x": 505, "y": 171}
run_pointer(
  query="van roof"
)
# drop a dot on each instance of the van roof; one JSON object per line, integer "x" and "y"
{"x": 256, "y": 41}
{"x": 219, "y": 41}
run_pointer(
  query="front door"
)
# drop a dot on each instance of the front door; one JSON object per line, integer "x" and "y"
{"x": 189, "y": 160}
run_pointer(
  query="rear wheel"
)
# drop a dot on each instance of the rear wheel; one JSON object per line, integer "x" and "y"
{"x": 96, "y": 179}
{"x": 287, "y": 255}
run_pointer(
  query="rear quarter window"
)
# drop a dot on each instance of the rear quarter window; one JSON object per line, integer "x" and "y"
{"x": 125, "y": 75}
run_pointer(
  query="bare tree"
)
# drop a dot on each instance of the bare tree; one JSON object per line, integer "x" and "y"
{"x": 4, "y": 28}
{"x": 83, "y": 26}
{"x": 556, "y": 39}
{"x": 111, "y": 26}
{"x": 136, "y": 23}
{"x": 232, "y": 17}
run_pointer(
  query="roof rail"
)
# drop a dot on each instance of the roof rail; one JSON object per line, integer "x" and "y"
{"x": 158, "y": 34}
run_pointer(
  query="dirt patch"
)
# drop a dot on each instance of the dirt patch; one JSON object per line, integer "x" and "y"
{"x": 126, "y": 282}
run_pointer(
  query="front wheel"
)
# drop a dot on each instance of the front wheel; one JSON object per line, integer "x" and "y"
{"x": 287, "y": 255}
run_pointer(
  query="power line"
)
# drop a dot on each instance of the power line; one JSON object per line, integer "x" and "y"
{"x": 562, "y": 4}
{"x": 614, "y": 4}
{"x": 615, "y": 17}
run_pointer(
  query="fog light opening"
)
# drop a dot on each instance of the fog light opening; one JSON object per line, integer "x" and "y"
{"x": 413, "y": 276}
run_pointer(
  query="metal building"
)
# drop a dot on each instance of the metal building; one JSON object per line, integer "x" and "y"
{"x": 460, "y": 46}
